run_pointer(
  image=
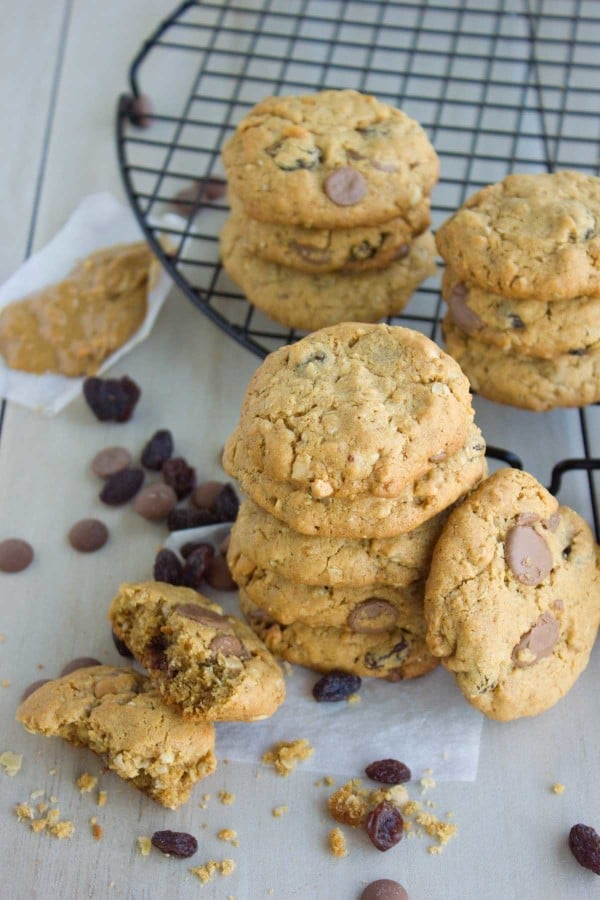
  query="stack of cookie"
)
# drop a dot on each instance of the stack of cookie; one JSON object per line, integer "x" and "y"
{"x": 352, "y": 445}
{"x": 330, "y": 208}
{"x": 522, "y": 283}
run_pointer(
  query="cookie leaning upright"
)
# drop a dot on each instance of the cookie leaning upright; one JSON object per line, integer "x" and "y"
{"x": 512, "y": 600}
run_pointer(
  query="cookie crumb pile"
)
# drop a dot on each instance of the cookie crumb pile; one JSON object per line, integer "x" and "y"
{"x": 351, "y": 446}
{"x": 330, "y": 208}
{"x": 522, "y": 284}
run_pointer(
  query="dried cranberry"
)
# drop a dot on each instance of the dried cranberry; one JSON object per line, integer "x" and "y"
{"x": 196, "y": 565}
{"x": 158, "y": 450}
{"x": 584, "y": 843}
{"x": 388, "y": 771}
{"x": 178, "y": 519}
{"x": 385, "y": 825}
{"x": 178, "y": 475}
{"x": 175, "y": 843}
{"x": 227, "y": 504}
{"x": 167, "y": 567}
{"x": 121, "y": 486}
{"x": 111, "y": 399}
{"x": 336, "y": 685}
{"x": 122, "y": 648}
{"x": 190, "y": 546}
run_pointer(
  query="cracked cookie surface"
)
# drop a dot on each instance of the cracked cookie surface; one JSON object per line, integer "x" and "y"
{"x": 120, "y": 714}
{"x": 333, "y": 159}
{"x": 512, "y": 600}
{"x": 204, "y": 663}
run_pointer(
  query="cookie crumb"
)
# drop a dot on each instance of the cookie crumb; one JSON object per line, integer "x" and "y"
{"x": 144, "y": 845}
{"x": 11, "y": 762}
{"x": 337, "y": 843}
{"x": 286, "y": 755}
{"x": 226, "y": 798}
{"x": 227, "y": 834}
{"x": 280, "y": 811}
{"x": 427, "y": 782}
{"x": 23, "y": 811}
{"x": 206, "y": 872}
{"x": 101, "y": 800}
{"x": 349, "y": 804}
{"x": 5, "y": 683}
{"x": 86, "y": 783}
{"x": 558, "y": 788}
{"x": 96, "y": 831}
{"x": 35, "y": 795}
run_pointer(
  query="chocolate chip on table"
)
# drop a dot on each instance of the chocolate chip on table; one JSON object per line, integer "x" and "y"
{"x": 15, "y": 555}
{"x": 155, "y": 501}
{"x": 190, "y": 546}
{"x": 195, "y": 566}
{"x": 345, "y": 186}
{"x": 122, "y": 648}
{"x": 110, "y": 460}
{"x": 121, "y": 487}
{"x": 336, "y": 685}
{"x": 584, "y": 843}
{"x": 204, "y": 495}
{"x": 175, "y": 843}
{"x": 384, "y": 889}
{"x": 88, "y": 535}
{"x": 179, "y": 475}
{"x": 82, "y": 662}
{"x": 388, "y": 771}
{"x": 111, "y": 399}
{"x": 385, "y": 825}
{"x": 31, "y": 688}
{"x": 158, "y": 450}
{"x": 179, "y": 519}
{"x": 219, "y": 576}
{"x": 167, "y": 567}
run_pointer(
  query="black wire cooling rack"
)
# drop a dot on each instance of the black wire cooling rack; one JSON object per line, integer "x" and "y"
{"x": 499, "y": 86}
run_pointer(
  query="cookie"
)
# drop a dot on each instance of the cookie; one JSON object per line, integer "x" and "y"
{"x": 260, "y": 541}
{"x": 333, "y": 159}
{"x": 119, "y": 714}
{"x": 352, "y": 409}
{"x": 529, "y": 236}
{"x": 364, "y": 516}
{"x": 307, "y": 302}
{"x": 525, "y": 381}
{"x": 318, "y": 250}
{"x": 528, "y": 327}
{"x": 205, "y": 664}
{"x": 512, "y": 600}
{"x": 393, "y": 655}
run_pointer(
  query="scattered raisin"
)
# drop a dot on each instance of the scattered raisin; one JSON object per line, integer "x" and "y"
{"x": 190, "y": 546}
{"x": 388, "y": 771}
{"x": 227, "y": 504}
{"x": 584, "y": 843}
{"x": 175, "y": 843}
{"x": 178, "y": 519}
{"x": 178, "y": 475}
{"x": 385, "y": 825}
{"x": 167, "y": 567}
{"x": 158, "y": 450}
{"x": 121, "y": 486}
{"x": 122, "y": 648}
{"x": 336, "y": 685}
{"x": 196, "y": 565}
{"x": 111, "y": 399}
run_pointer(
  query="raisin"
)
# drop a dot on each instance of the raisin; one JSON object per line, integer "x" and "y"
{"x": 158, "y": 450}
{"x": 122, "y": 648}
{"x": 178, "y": 519}
{"x": 385, "y": 825}
{"x": 336, "y": 685}
{"x": 167, "y": 567}
{"x": 154, "y": 654}
{"x": 584, "y": 843}
{"x": 178, "y": 475}
{"x": 175, "y": 843}
{"x": 227, "y": 504}
{"x": 388, "y": 771}
{"x": 516, "y": 321}
{"x": 196, "y": 565}
{"x": 111, "y": 399}
{"x": 121, "y": 487}
{"x": 189, "y": 548}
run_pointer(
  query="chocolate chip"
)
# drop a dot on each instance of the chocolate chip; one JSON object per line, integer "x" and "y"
{"x": 219, "y": 576}
{"x": 175, "y": 843}
{"x": 155, "y": 502}
{"x": 538, "y": 642}
{"x": 229, "y": 645}
{"x": 313, "y": 255}
{"x": 122, "y": 487}
{"x": 388, "y": 771}
{"x": 157, "y": 450}
{"x": 584, "y": 843}
{"x": 460, "y": 313}
{"x": 528, "y": 555}
{"x": 110, "y": 460}
{"x": 179, "y": 475}
{"x": 373, "y": 615}
{"x": 336, "y": 686}
{"x": 345, "y": 186}
{"x": 204, "y": 495}
{"x": 167, "y": 567}
{"x": 203, "y": 615}
{"x": 122, "y": 648}
{"x": 154, "y": 653}
{"x": 515, "y": 321}
{"x": 15, "y": 555}
{"x": 111, "y": 399}
{"x": 33, "y": 687}
{"x": 88, "y": 535}
{"x": 82, "y": 662}
{"x": 180, "y": 519}
{"x": 384, "y": 889}
{"x": 385, "y": 825}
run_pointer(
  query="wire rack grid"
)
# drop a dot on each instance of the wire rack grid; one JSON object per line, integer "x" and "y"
{"x": 498, "y": 85}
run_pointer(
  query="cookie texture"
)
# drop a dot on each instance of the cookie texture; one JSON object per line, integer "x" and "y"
{"x": 309, "y": 301}
{"x": 527, "y": 382}
{"x": 394, "y": 655}
{"x": 332, "y": 159}
{"x": 207, "y": 665}
{"x": 530, "y": 235}
{"x": 260, "y": 541}
{"x": 119, "y": 714}
{"x": 512, "y": 600}
{"x": 352, "y": 409}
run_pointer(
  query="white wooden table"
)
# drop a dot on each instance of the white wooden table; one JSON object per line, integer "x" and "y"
{"x": 62, "y": 66}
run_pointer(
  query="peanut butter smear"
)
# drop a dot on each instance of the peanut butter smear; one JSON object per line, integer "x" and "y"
{"x": 72, "y": 326}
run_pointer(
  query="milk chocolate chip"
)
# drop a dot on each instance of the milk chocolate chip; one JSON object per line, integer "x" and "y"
{"x": 204, "y": 616}
{"x": 384, "y": 889}
{"x": 155, "y": 502}
{"x": 527, "y": 554}
{"x": 88, "y": 535}
{"x": 373, "y": 615}
{"x": 15, "y": 555}
{"x": 460, "y": 313}
{"x": 110, "y": 460}
{"x": 345, "y": 186}
{"x": 229, "y": 645}
{"x": 536, "y": 643}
